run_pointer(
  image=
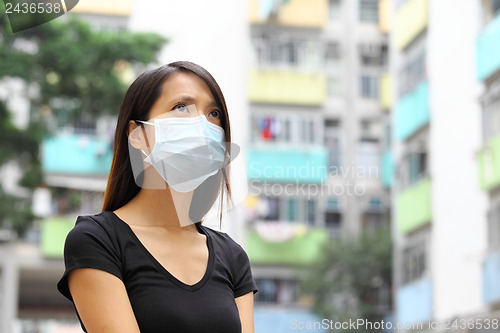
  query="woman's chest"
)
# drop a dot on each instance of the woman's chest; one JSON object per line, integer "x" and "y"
{"x": 164, "y": 305}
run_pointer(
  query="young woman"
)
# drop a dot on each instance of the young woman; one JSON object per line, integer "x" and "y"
{"x": 140, "y": 265}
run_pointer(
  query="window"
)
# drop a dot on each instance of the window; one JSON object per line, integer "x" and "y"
{"x": 373, "y": 54}
{"x": 280, "y": 51}
{"x": 491, "y": 113}
{"x": 334, "y": 9}
{"x": 413, "y": 168}
{"x": 368, "y": 161}
{"x": 369, "y": 86}
{"x": 368, "y": 11}
{"x": 414, "y": 262}
{"x": 371, "y": 221}
{"x": 494, "y": 227}
{"x": 333, "y": 218}
{"x": 333, "y": 142}
{"x": 412, "y": 74}
{"x": 277, "y": 291}
{"x": 310, "y": 212}
{"x": 290, "y": 209}
{"x": 286, "y": 128}
{"x": 271, "y": 129}
{"x": 495, "y": 7}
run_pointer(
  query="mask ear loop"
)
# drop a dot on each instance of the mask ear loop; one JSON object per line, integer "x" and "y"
{"x": 149, "y": 146}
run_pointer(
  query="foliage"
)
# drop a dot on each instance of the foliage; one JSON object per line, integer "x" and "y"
{"x": 350, "y": 278}
{"x": 71, "y": 72}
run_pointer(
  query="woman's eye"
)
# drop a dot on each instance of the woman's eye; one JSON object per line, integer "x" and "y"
{"x": 180, "y": 107}
{"x": 214, "y": 113}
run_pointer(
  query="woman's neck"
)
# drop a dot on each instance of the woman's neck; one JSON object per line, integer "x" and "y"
{"x": 166, "y": 208}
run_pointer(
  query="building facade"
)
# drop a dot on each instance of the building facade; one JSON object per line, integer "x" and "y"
{"x": 439, "y": 225}
{"x": 319, "y": 157}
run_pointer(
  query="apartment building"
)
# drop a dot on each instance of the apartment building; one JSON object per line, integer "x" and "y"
{"x": 439, "y": 224}
{"x": 319, "y": 156}
{"x": 488, "y": 74}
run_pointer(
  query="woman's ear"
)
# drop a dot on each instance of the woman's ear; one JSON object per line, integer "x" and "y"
{"x": 136, "y": 135}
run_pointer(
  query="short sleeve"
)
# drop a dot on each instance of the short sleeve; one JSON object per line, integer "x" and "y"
{"x": 88, "y": 245}
{"x": 244, "y": 282}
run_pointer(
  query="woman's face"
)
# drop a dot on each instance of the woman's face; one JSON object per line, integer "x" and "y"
{"x": 186, "y": 93}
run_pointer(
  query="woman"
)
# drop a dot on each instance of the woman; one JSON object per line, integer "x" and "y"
{"x": 140, "y": 265}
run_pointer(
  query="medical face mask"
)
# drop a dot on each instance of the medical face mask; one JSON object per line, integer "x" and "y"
{"x": 187, "y": 151}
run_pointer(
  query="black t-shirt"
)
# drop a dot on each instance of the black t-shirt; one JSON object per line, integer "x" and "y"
{"x": 161, "y": 302}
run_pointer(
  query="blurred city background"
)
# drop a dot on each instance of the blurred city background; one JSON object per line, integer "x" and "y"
{"x": 370, "y": 133}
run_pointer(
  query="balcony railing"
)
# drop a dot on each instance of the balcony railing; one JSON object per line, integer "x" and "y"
{"x": 287, "y": 165}
{"x": 487, "y": 50}
{"x": 412, "y": 111}
{"x": 414, "y": 302}
{"x": 295, "y": 13}
{"x": 413, "y": 206}
{"x": 489, "y": 164}
{"x": 287, "y": 86}
{"x": 411, "y": 19}
{"x": 300, "y": 249}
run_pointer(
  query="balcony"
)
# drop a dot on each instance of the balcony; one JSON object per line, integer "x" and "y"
{"x": 76, "y": 154}
{"x": 413, "y": 206}
{"x": 53, "y": 235}
{"x": 115, "y": 7}
{"x": 385, "y": 15}
{"x": 279, "y": 320}
{"x": 298, "y": 250}
{"x": 287, "y": 164}
{"x": 287, "y": 87}
{"x": 411, "y": 19}
{"x": 489, "y": 164}
{"x": 414, "y": 302}
{"x": 491, "y": 278}
{"x": 386, "y": 96}
{"x": 294, "y": 13}
{"x": 487, "y": 50}
{"x": 387, "y": 169}
{"x": 412, "y": 112}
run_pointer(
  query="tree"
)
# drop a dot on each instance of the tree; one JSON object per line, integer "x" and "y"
{"x": 71, "y": 72}
{"x": 353, "y": 279}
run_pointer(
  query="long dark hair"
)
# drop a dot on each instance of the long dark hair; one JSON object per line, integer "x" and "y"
{"x": 136, "y": 104}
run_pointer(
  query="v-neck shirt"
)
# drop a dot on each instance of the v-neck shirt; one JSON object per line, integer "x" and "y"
{"x": 160, "y": 301}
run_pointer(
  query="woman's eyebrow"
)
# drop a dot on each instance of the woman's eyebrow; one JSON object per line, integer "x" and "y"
{"x": 190, "y": 99}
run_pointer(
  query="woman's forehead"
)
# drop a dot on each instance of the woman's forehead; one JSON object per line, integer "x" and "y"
{"x": 182, "y": 84}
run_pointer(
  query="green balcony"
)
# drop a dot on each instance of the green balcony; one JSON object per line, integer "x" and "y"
{"x": 488, "y": 49}
{"x": 53, "y": 235}
{"x": 302, "y": 249}
{"x": 287, "y": 87}
{"x": 413, "y": 206}
{"x": 489, "y": 164}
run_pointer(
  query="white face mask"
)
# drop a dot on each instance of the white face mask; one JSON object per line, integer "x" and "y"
{"x": 187, "y": 151}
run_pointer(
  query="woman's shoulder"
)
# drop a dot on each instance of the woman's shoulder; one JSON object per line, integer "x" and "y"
{"x": 224, "y": 240}
{"x": 101, "y": 224}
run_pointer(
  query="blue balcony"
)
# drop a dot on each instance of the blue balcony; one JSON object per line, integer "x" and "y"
{"x": 76, "y": 154}
{"x": 287, "y": 164}
{"x": 488, "y": 49}
{"x": 491, "y": 278}
{"x": 278, "y": 320}
{"x": 412, "y": 112}
{"x": 414, "y": 301}
{"x": 387, "y": 169}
